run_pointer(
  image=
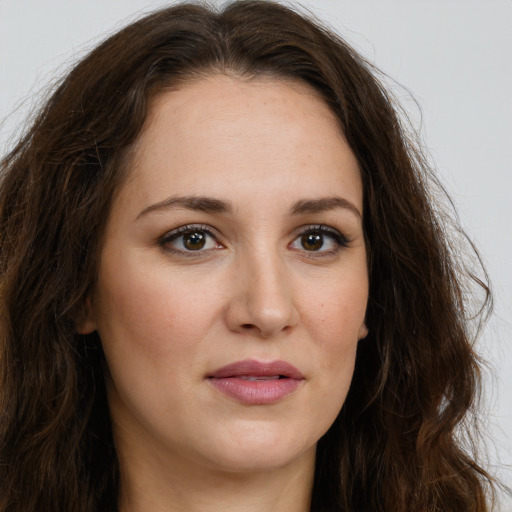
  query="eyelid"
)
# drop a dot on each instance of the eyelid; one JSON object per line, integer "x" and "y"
{"x": 336, "y": 235}
{"x": 339, "y": 238}
{"x": 319, "y": 227}
{"x": 170, "y": 236}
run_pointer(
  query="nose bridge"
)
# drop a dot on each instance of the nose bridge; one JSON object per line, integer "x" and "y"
{"x": 264, "y": 301}
{"x": 269, "y": 288}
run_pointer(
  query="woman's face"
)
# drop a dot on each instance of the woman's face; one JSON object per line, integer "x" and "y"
{"x": 233, "y": 282}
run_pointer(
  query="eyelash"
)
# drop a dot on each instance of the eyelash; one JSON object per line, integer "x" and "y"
{"x": 183, "y": 230}
{"x": 339, "y": 239}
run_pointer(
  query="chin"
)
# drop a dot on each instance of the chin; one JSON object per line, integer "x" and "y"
{"x": 258, "y": 449}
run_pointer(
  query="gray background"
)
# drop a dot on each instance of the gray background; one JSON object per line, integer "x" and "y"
{"x": 455, "y": 57}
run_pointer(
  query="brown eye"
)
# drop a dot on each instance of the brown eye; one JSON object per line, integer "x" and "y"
{"x": 319, "y": 240}
{"x": 189, "y": 239}
{"x": 194, "y": 241}
{"x": 312, "y": 241}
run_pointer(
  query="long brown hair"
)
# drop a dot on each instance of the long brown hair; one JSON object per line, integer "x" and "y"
{"x": 400, "y": 442}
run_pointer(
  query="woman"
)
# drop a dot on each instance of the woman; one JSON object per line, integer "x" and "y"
{"x": 224, "y": 286}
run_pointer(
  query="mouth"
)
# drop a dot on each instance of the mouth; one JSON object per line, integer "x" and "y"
{"x": 261, "y": 377}
{"x": 257, "y": 383}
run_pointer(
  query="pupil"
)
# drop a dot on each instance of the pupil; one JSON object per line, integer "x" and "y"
{"x": 194, "y": 241}
{"x": 312, "y": 242}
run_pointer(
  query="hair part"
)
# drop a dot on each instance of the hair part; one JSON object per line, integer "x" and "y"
{"x": 394, "y": 445}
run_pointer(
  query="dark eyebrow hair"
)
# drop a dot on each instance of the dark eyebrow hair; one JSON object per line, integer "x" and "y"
{"x": 211, "y": 205}
{"x": 199, "y": 203}
{"x": 324, "y": 204}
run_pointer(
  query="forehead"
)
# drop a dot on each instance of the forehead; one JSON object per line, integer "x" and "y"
{"x": 215, "y": 133}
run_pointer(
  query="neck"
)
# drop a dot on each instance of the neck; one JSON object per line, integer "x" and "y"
{"x": 162, "y": 486}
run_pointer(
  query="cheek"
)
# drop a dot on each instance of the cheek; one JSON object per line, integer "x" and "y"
{"x": 337, "y": 310}
{"x": 152, "y": 329}
{"x": 336, "y": 314}
{"x": 152, "y": 311}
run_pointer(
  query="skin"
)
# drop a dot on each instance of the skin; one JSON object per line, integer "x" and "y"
{"x": 169, "y": 316}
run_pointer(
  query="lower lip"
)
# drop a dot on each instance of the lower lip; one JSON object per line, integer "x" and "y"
{"x": 256, "y": 392}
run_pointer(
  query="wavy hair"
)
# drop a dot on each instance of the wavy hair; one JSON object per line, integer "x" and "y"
{"x": 401, "y": 442}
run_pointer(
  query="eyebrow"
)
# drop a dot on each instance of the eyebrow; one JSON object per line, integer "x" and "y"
{"x": 324, "y": 204}
{"x": 212, "y": 205}
{"x": 198, "y": 203}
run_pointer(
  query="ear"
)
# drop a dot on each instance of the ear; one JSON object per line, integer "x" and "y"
{"x": 363, "y": 332}
{"x": 86, "y": 321}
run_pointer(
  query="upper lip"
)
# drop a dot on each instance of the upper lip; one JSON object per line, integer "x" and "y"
{"x": 251, "y": 367}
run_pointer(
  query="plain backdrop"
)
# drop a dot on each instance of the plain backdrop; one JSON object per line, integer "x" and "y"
{"x": 453, "y": 56}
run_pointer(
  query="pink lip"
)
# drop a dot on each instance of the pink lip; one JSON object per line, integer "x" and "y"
{"x": 257, "y": 383}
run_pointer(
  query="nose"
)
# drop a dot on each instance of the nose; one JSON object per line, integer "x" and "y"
{"x": 262, "y": 302}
